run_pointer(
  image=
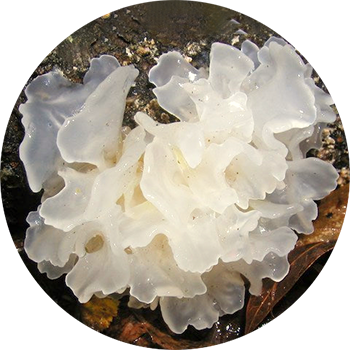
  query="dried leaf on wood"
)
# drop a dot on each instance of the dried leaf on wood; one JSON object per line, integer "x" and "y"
{"x": 308, "y": 249}
{"x": 99, "y": 313}
{"x": 144, "y": 327}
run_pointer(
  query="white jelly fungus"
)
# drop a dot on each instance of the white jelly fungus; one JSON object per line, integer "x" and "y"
{"x": 175, "y": 214}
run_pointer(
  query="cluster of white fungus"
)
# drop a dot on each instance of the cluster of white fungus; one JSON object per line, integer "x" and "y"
{"x": 175, "y": 214}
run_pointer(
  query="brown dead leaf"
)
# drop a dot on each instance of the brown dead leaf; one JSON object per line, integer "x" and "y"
{"x": 308, "y": 249}
{"x": 99, "y": 313}
{"x": 139, "y": 331}
{"x": 144, "y": 327}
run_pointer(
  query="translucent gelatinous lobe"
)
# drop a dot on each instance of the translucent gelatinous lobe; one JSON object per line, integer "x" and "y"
{"x": 51, "y": 100}
{"x": 175, "y": 214}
